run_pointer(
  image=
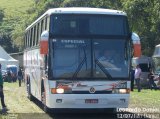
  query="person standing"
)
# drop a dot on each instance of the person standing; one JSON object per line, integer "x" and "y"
{"x": 158, "y": 84}
{"x": 4, "y": 108}
{"x": 108, "y": 56}
{"x": 132, "y": 78}
{"x": 9, "y": 77}
{"x": 137, "y": 75}
{"x": 20, "y": 77}
{"x": 151, "y": 80}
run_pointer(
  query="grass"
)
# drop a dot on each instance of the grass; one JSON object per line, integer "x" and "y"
{"x": 13, "y": 8}
{"x": 146, "y": 99}
{"x": 15, "y": 14}
{"x": 18, "y": 103}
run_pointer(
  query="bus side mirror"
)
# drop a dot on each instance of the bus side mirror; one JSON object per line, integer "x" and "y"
{"x": 136, "y": 45}
{"x": 44, "y": 43}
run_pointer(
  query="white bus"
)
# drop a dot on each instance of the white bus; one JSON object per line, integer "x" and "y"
{"x": 61, "y": 59}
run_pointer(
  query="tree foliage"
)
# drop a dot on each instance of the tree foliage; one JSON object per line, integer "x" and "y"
{"x": 144, "y": 19}
{"x": 1, "y": 15}
{"x": 143, "y": 15}
{"x": 4, "y": 36}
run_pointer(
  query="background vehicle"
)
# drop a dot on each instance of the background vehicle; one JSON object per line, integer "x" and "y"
{"x": 156, "y": 59}
{"x": 4, "y": 74}
{"x": 61, "y": 59}
{"x": 156, "y": 62}
{"x": 145, "y": 64}
{"x": 13, "y": 69}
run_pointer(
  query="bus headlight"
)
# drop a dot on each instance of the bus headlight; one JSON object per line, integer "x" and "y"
{"x": 60, "y": 90}
{"x": 124, "y": 91}
{"x": 121, "y": 91}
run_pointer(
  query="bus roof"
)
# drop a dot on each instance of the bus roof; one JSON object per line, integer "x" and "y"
{"x": 84, "y": 10}
{"x": 79, "y": 10}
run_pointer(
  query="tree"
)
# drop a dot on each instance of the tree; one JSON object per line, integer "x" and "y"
{"x": 1, "y": 15}
{"x": 140, "y": 15}
{"x": 144, "y": 18}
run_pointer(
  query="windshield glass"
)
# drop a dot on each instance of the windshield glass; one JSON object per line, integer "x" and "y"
{"x": 71, "y": 58}
{"x": 145, "y": 67}
{"x": 90, "y": 58}
{"x": 90, "y": 24}
{"x": 157, "y": 50}
{"x": 111, "y": 57}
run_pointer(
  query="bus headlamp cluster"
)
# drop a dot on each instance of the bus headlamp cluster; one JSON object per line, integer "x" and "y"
{"x": 57, "y": 90}
{"x": 60, "y": 91}
{"x": 121, "y": 91}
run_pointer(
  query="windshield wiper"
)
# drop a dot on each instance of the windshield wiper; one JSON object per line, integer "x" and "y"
{"x": 103, "y": 69}
{"x": 81, "y": 64}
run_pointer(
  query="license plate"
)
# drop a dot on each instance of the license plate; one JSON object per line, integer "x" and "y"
{"x": 91, "y": 100}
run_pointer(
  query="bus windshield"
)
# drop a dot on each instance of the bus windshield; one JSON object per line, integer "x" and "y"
{"x": 82, "y": 25}
{"x": 89, "y": 58}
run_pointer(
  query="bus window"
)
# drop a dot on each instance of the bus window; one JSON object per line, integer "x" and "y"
{"x": 31, "y": 38}
{"x": 88, "y": 25}
{"x": 42, "y": 26}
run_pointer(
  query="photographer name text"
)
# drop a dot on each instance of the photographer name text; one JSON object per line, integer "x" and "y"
{"x": 139, "y": 110}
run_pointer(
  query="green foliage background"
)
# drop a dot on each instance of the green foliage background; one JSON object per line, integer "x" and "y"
{"x": 16, "y": 15}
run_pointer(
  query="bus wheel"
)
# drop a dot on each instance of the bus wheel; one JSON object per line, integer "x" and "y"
{"x": 43, "y": 99}
{"x": 29, "y": 95}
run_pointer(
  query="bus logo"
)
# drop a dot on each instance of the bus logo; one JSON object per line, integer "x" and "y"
{"x": 92, "y": 90}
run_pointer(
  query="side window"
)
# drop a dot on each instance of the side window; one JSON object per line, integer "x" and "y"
{"x": 38, "y": 35}
{"x": 35, "y": 35}
{"x": 48, "y": 20}
{"x": 42, "y": 26}
{"x": 31, "y": 37}
{"x": 25, "y": 39}
{"x": 28, "y": 35}
{"x": 45, "y": 24}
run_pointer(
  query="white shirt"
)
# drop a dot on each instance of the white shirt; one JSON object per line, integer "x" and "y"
{"x": 137, "y": 73}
